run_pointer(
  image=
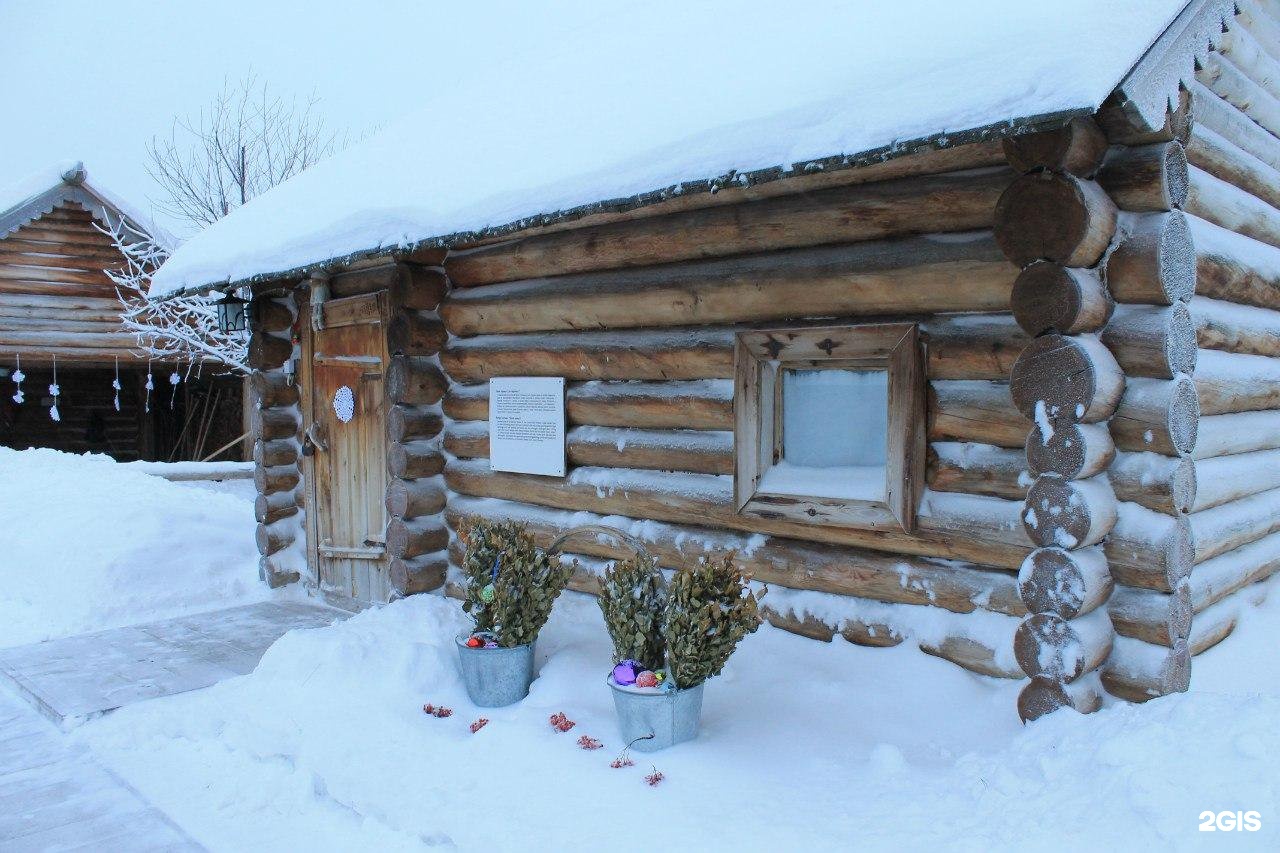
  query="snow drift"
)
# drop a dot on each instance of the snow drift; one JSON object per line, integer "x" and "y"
{"x": 90, "y": 543}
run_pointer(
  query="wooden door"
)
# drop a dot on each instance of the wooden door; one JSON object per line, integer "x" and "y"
{"x": 347, "y": 418}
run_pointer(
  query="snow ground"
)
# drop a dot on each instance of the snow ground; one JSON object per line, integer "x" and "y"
{"x": 804, "y": 746}
{"x": 92, "y": 544}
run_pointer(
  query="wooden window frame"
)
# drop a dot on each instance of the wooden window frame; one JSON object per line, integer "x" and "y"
{"x": 760, "y": 356}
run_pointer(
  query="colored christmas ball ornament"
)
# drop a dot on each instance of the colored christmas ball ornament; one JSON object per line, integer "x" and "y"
{"x": 625, "y": 672}
{"x": 474, "y": 642}
{"x": 646, "y": 679}
{"x": 487, "y": 594}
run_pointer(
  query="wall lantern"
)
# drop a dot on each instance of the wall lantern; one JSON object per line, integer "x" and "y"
{"x": 233, "y": 314}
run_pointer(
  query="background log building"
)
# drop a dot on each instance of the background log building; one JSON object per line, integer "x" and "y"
{"x": 57, "y": 304}
{"x": 1088, "y": 307}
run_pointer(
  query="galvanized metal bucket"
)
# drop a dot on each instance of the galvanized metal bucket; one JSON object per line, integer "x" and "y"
{"x": 651, "y": 721}
{"x": 496, "y": 677}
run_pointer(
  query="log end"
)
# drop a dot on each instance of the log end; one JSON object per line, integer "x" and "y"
{"x": 1050, "y": 216}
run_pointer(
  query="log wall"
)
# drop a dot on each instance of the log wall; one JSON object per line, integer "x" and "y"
{"x": 1196, "y": 429}
{"x": 276, "y": 423}
{"x": 1059, "y": 221}
{"x": 640, "y": 317}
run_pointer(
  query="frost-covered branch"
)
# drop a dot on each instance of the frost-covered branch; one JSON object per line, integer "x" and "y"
{"x": 181, "y": 329}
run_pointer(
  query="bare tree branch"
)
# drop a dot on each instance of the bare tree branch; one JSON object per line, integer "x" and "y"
{"x": 247, "y": 141}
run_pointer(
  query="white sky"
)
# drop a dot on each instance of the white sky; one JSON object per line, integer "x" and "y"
{"x": 94, "y": 80}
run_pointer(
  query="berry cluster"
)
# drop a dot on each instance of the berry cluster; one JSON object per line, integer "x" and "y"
{"x": 434, "y": 711}
{"x": 479, "y": 724}
{"x": 561, "y": 723}
{"x": 587, "y": 742}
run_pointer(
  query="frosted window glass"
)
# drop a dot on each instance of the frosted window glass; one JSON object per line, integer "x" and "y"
{"x": 835, "y": 418}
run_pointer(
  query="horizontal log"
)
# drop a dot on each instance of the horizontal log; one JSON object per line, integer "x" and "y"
{"x": 1229, "y": 382}
{"x": 418, "y": 574}
{"x": 1077, "y": 148}
{"x": 1229, "y": 478}
{"x": 273, "y": 389}
{"x": 1219, "y": 578}
{"x": 1222, "y": 118}
{"x": 1234, "y": 267}
{"x": 976, "y": 469}
{"x": 1161, "y": 618}
{"x": 1165, "y": 484}
{"x": 271, "y": 315}
{"x": 1155, "y": 262}
{"x": 1230, "y": 207}
{"x": 1235, "y": 328}
{"x": 1062, "y": 650}
{"x": 1222, "y": 435}
{"x": 406, "y": 423}
{"x": 975, "y": 411}
{"x": 414, "y": 498}
{"x": 269, "y": 424}
{"x": 1228, "y": 162}
{"x": 1224, "y": 528}
{"x": 278, "y": 479}
{"x": 915, "y": 205}
{"x": 282, "y": 451}
{"x": 413, "y": 459}
{"x": 1246, "y": 53}
{"x": 268, "y": 351}
{"x": 1146, "y": 178}
{"x": 1072, "y": 451}
{"x": 699, "y": 451}
{"x": 1223, "y": 78}
{"x": 412, "y": 333}
{"x": 13, "y": 338}
{"x": 419, "y": 288}
{"x": 964, "y": 527}
{"x": 1139, "y": 671}
{"x": 911, "y": 276}
{"x": 55, "y": 276}
{"x": 1055, "y": 217}
{"x": 1152, "y": 340}
{"x": 1149, "y": 549}
{"x": 1160, "y": 415}
{"x": 1043, "y": 696}
{"x": 1065, "y": 583}
{"x": 1049, "y": 297}
{"x": 366, "y": 277}
{"x": 268, "y": 509}
{"x": 1072, "y": 379}
{"x": 1068, "y": 513}
{"x": 593, "y": 355}
{"x": 415, "y": 381}
{"x": 409, "y": 538}
{"x": 770, "y": 559}
{"x": 1213, "y": 626}
{"x": 275, "y": 537}
{"x": 701, "y": 404}
{"x": 1258, "y": 16}
{"x": 276, "y": 572}
{"x": 973, "y": 346}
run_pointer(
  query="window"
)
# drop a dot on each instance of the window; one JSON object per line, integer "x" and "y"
{"x": 830, "y": 425}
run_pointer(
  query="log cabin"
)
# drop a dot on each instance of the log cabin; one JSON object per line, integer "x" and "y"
{"x": 60, "y": 315}
{"x": 1008, "y": 391}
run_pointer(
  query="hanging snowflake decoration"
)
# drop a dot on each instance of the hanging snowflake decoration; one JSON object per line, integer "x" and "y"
{"x": 150, "y": 386}
{"x": 18, "y": 376}
{"x": 54, "y": 391}
{"x": 344, "y": 404}
{"x": 115, "y": 384}
{"x": 174, "y": 379}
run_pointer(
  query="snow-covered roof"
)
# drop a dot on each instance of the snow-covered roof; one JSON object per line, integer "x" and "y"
{"x": 650, "y": 98}
{"x": 39, "y": 193}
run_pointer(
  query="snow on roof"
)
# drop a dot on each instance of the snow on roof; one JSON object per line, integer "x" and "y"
{"x": 68, "y": 180}
{"x": 647, "y": 96}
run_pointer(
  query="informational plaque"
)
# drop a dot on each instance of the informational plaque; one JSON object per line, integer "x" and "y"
{"x": 526, "y": 425}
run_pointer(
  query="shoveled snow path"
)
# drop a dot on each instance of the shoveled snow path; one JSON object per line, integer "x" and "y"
{"x": 55, "y": 796}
